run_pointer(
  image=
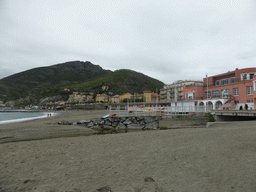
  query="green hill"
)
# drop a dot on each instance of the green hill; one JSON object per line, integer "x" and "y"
{"x": 76, "y": 76}
{"x": 43, "y": 78}
{"x": 119, "y": 82}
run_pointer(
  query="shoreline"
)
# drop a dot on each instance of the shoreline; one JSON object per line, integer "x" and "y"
{"x": 40, "y": 129}
{"x": 26, "y": 119}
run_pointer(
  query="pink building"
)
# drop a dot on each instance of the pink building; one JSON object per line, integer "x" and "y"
{"x": 228, "y": 90}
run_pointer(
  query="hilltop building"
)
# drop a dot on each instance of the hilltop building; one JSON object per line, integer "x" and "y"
{"x": 104, "y": 88}
{"x": 231, "y": 90}
{"x": 174, "y": 91}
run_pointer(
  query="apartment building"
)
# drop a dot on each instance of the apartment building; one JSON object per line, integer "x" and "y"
{"x": 174, "y": 91}
{"x": 80, "y": 97}
{"x": 237, "y": 87}
{"x": 76, "y": 97}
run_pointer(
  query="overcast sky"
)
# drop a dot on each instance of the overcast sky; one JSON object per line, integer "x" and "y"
{"x": 166, "y": 39}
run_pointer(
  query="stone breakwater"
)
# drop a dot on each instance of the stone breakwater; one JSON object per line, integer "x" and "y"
{"x": 144, "y": 122}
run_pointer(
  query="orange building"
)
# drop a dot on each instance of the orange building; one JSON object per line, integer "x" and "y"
{"x": 155, "y": 97}
{"x": 232, "y": 90}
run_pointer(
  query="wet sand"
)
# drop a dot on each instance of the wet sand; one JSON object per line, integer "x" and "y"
{"x": 218, "y": 158}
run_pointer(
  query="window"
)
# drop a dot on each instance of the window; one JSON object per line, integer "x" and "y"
{"x": 254, "y": 83}
{"x": 236, "y": 91}
{"x": 247, "y": 76}
{"x": 249, "y": 101}
{"x": 244, "y": 77}
{"x": 249, "y": 90}
{"x": 215, "y": 94}
{"x": 207, "y": 96}
{"x": 217, "y": 83}
{"x": 232, "y": 80}
{"x": 190, "y": 95}
{"x": 224, "y": 93}
{"x": 223, "y": 81}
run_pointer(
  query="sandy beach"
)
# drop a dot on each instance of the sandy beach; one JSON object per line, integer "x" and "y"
{"x": 218, "y": 158}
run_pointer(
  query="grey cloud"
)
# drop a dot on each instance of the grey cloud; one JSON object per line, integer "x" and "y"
{"x": 168, "y": 40}
{"x": 246, "y": 55}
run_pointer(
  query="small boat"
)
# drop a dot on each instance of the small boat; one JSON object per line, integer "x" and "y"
{"x": 106, "y": 116}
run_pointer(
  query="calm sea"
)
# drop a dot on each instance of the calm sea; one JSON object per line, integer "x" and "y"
{"x": 13, "y": 117}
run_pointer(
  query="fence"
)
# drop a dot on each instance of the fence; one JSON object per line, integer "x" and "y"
{"x": 156, "y": 110}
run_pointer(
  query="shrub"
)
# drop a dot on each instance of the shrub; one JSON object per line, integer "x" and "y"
{"x": 210, "y": 117}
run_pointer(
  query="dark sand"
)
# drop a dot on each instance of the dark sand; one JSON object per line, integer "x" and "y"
{"x": 218, "y": 158}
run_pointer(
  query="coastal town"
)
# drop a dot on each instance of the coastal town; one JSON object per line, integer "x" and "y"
{"x": 231, "y": 90}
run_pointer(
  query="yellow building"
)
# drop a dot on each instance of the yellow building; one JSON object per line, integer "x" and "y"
{"x": 102, "y": 98}
{"x": 147, "y": 96}
{"x": 125, "y": 96}
{"x": 77, "y": 97}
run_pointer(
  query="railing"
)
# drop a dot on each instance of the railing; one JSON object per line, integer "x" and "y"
{"x": 156, "y": 110}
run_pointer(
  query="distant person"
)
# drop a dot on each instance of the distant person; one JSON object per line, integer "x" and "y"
{"x": 241, "y": 107}
{"x": 246, "y": 106}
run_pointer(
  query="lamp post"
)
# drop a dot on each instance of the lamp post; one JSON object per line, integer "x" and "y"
{"x": 207, "y": 93}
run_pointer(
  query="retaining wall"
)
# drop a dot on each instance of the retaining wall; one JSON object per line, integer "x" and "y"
{"x": 131, "y": 122}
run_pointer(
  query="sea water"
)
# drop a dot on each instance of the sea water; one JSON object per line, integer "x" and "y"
{"x": 14, "y": 117}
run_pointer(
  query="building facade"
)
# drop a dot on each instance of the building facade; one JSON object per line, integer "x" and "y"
{"x": 115, "y": 99}
{"x": 125, "y": 96}
{"x": 236, "y": 87}
{"x": 174, "y": 92}
{"x": 80, "y": 97}
{"x": 102, "y": 98}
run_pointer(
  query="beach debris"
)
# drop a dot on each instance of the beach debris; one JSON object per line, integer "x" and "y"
{"x": 28, "y": 180}
{"x": 65, "y": 123}
{"x": 83, "y": 122}
{"x": 149, "y": 179}
{"x": 105, "y": 189}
